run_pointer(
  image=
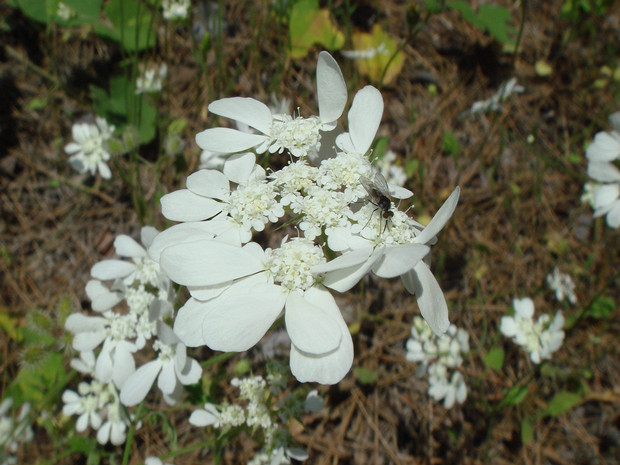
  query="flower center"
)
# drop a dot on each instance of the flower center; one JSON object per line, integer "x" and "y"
{"x": 290, "y": 264}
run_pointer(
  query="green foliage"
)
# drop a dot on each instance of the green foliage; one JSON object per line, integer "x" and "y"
{"x": 46, "y": 11}
{"x": 602, "y": 308}
{"x": 527, "y": 430}
{"x": 380, "y": 147}
{"x": 122, "y": 104}
{"x": 450, "y": 145}
{"x": 131, "y": 25}
{"x": 515, "y": 395}
{"x": 494, "y": 358}
{"x": 365, "y": 375}
{"x": 309, "y": 25}
{"x": 577, "y": 11}
{"x": 561, "y": 403}
{"x": 493, "y": 19}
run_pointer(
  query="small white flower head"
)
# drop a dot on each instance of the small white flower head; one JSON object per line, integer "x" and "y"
{"x": 175, "y": 9}
{"x": 540, "y": 338}
{"x": 14, "y": 430}
{"x": 290, "y": 264}
{"x": 562, "y": 285}
{"x": 392, "y": 172}
{"x": 172, "y": 368}
{"x": 603, "y": 155}
{"x": 277, "y": 132}
{"x": 151, "y": 79}
{"x": 97, "y": 405}
{"x": 89, "y": 151}
{"x": 449, "y": 388}
{"x": 440, "y": 357}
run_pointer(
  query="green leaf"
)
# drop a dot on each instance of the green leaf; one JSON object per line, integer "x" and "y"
{"x": 365, "y": 375}
{"x": 380, "y": 147}
{"x": 515, "y": 395}
{"x": 131, "y": 22}
{"x": 41, "y": 385}
{"x": 310, "y": 25}
{"x": 494, "y": 358}
{"x": 37, "y": 10}
{"x": 450, "y": 144}
{"x": 527, "y": 431}
{"x": 561, "y": 403}
{"x": 493, "y": 19}
{"x": 601, "y": 308}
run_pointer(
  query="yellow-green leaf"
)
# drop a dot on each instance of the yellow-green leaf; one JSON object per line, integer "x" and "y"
{"x": 384, "y": 46}
{"x": 309, "y": 25}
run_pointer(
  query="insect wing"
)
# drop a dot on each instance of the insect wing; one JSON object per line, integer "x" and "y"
{"x": 381, "y": 184}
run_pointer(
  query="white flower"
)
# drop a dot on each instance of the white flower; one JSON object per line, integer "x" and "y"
{"x": 495, "y": 102}
{"x": 151, "y": 80}
{"x": 393, "y": 173}
{"x": 13, "y": 430}
{"x": 172, "y": 368}
{"x": 155, "y": 461}
{"x": 115, "y": 360}
{"x": 248, "y": 207}
{"x": 562, "y": 285}
{"x": 603, "y": 155}
{"x": 540, "y": 338}
{"x": 263, "y": 284}
{"x": 449, "y": 389}
{"x": 277, "y": 132}
{"x": 89, "y": 150}
{"x": 175, "y": 9}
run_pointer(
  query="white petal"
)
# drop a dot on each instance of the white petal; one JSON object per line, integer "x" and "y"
{"x": 430, "y": 298}
{"x": 191, "y": 373}
{"x": 147, "y": 235}
{"x": 236, "y": 321}
{"x": 166, "y": 334}
{"x": 239, "y": 167}
{"x": 78, "y": 322}
{"x": 209, "y": 183}
{"x": 203, "y": 417}
{"x": 331, "y": 88}
{"x": 603, "y": 172}
{"x": 397, "y": 260}
{"x": 112, "y": 269}
{"x": 101, "y": 297}
{"x": 124, "y": 364}
{"x": 88, "y": 340}
{"x": 208, "y": 292}
{"x": 167, "y": 379}
{"x": 346, "y": 260}
{"x": 327, "y": 368}
{"x": 226, "y": 140}
{"x": 183, "y": 232}
{"x": 343, "y": 279}
{"x": 345, "y": 143}
{"x": 613, "y": 217}
{"x": 440, "y": 219}
{"x": 188, "y": 323}
{"x": 104, "y": 170}
{"x": 399, "y": 192}
{"x": 310, "y": 327}
{"x": 137, "y": 386}
{"x": 184, "y": 205}
{"x": 117, "y": 436}
{"x": 104, "y": 367}
{"x": 207, "y": 262}
{"x": 365, "y": 117}
{"x": 245, "y": 110}
{"x": 604, "y": 148}
{"x": 125, "y": 246}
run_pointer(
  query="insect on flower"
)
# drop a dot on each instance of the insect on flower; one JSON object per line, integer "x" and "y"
{"x": 379, "y": 195}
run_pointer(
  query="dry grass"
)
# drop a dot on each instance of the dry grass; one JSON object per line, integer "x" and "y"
{"x": 518, "y": 217}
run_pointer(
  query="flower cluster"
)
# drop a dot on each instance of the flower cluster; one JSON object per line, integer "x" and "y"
{"x": 175, "y": 9}
{"x": 267, "y": 410}
{"x": 562, "y": 285}
{"x": 89, "y": 151}
{"x": 603, "y": 158}
{"x": 540, "y": 338}
{"x": 440, "y": 357}
{"x": 13, "y": 431}
{"x": 343, "y": 210}
{"x": 130, "y": 314}
{"x": 151, "y": 79}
